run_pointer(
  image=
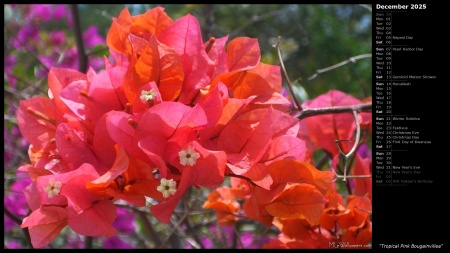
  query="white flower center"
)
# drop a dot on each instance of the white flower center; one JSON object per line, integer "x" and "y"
{"x": 148, "y": 95}
{"x": 53, "y": 188}
{"x": 167, "y": 187}
{"x": 188, "y": 156}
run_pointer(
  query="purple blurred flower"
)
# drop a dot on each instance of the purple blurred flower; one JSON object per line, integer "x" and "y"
{"x": 47, "y": 12}
{"x": 74, "y": 242}
{"x": 227, "y": 233}
{"x": 39, "y": 12}
{"x": 15, "y": 200}
{"x": 9, "y": 63}
{"x": 91, "y": 37}
{"x": 57, "y": 38}
{"x": 124, "y": 222}
{"x": 364, "y": 151}
{"x": 60, "y": 11}
{"x": 68, "y": 59}
{"x": 116, "y": 243}
{"x": 284, "y": 92}
{"x": 96, "y": 63}
{"x": 250, "y": 240}
{"x": 13, "y": 244}
{"x": 27, "y": 35}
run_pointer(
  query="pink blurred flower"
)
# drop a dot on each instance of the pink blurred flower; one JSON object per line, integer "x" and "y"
{"x": 27, "y": 36}
{"x": 39, "y": 12}
{"x": 125, "y": 221}
{"x": 13, "y": 244}
{"x": 57, "y": 38}
{"x": 15, "y": 201}
{"x": 91, "y": 37}
{"x": 47, "y": 12}
{"x": 60, "y": 11}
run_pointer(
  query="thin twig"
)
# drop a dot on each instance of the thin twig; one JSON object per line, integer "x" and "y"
{"x": 193, "y": 233}
{"x": 291, "y": 89}
{"x": 148, "y": 227}
{"x": 364, "y": 210}
{"x": 321, "y": 161}
{"x": 14, "y": 218}
{"x": 88, "y": 242}
{"x": 351, "y": 59}
{"x": 163, "y": 245}
{"x": 347, "y": 185}
{"x": 308, "y": 112}
{"x": 82, "y": 57}
{"x": 20, "y": 97}
{"x": 352, "y": 151}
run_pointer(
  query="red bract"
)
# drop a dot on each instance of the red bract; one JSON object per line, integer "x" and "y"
{"x": 251, "y": 143}
{"x": 62, "y": 199}
{"x": 208, "y": 172}
{"x": 36, "y": 119}
{"x": 321, "y": 131}
{"x": 45, "y": 224}
{"x": 128, "y": 179}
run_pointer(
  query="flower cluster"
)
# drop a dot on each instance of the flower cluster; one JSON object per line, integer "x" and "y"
{"x": 169, "y": 112}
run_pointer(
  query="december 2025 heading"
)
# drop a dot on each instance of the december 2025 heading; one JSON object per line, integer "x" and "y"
{"x": 401, "y": 6}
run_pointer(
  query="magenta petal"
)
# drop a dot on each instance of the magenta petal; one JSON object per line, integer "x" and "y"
{"x": 71, "y": 96}
{"x": 89, "y": 214}
{"x": 184, "y": 35}
{"x": 73, "y": 149}
{"x": 36, "y": 130}
{"x": 105, "y": 93}
{"x": 45, "y": 224}
{"x": 96, "y": 220}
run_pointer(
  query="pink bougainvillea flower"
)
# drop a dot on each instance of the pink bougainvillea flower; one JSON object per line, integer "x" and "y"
{"x": 297, "y": 191}
{"x": 247, "y": 140}
{"x": 164, "y": 123}
{"x": 207, "y": 171}
{"x": 154, "y": 21}
{"x": 153, "y": 61}
{"x": 69, "y": 203}
{"x": 36, "y": 120}
{"x": 88, "y": 214}
{"x": 129, "y": 179}
{"x": 45, "y": 224}
{"x": 185, "y": 37}
{"x": 321, "y": 131}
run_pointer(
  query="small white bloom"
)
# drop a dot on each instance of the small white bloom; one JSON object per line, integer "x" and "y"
{"x": 148, "y": 95}
{"x": 167, "y": 187}
{"x": 188, "y": 156}
{"x": 53, "y": 188}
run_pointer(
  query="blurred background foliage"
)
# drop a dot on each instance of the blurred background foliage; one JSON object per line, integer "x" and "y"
{"x": 313, "y": 36}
